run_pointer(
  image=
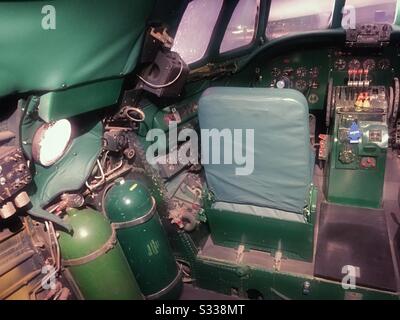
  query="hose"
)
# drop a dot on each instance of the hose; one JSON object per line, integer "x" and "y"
{"x": 160, "y": 86}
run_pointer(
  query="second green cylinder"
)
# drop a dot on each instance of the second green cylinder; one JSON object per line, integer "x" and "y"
{"x": 132, "y": 211}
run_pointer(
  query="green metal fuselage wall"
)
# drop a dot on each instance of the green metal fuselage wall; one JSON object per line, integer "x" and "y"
{"x": 92, "y": 40}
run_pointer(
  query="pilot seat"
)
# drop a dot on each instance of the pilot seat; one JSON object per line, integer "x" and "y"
{"x": 273, "y": 208}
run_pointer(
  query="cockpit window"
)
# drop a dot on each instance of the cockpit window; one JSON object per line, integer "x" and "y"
{"x": 195, "y": 29}
{"x": 369, "y": 11}
{"x": 242, "y": 26}
{"x": 293, "y": 16}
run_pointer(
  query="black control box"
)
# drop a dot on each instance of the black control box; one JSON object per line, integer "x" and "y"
{"x": 166, "y": 76}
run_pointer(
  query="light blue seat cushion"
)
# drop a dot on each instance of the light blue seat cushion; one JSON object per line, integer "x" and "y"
{"x": 283, "y": 160}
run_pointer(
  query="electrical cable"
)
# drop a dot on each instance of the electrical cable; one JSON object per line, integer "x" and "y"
{"x": 160, "y": 86}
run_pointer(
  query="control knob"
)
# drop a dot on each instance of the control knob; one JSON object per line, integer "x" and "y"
{"x": 283, "y": 83}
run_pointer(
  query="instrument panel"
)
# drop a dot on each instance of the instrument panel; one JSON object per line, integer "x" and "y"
{"x": 343, "y": 63}
{"x": 298, "y": 71}
{"x": 364, "y": 68}
{"x": 309, "y": 70}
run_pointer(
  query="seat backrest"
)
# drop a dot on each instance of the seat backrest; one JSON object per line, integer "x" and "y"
{"x": 283, "y": 160}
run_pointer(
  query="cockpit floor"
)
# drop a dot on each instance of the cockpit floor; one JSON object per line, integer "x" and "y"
{"x": 355, "y": 238}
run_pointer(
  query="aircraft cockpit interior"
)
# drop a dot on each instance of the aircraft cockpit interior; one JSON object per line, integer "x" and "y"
{"x": 203, "y": 149}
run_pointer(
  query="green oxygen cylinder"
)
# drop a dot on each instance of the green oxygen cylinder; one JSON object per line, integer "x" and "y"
{"x": 132, "y": 211}
{"x": 95, "y": 258}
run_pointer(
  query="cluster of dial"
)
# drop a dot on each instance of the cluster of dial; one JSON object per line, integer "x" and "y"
{"x": 368, "y": 64}
{"x": 301, "y": 78}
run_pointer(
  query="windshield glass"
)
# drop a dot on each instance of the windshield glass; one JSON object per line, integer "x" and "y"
{"x": 241, "y": 29}
{"x": 293, "y": 16}
{"x": 195, "y": 29}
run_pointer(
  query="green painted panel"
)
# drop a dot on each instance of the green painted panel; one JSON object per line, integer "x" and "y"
{"x": 81, "y": 155}
{"x": 292, "y": 287}
{"x": 294, "y": 239}
{"x": 68, "y": 103}
{"x": 48, "y": 182}
{"x": 362, "y": 188}
{"x": 92, "y": 40}
{"x": 350, "y": 184}
{"x": 243, "y": 280}
{"x": 231, "y": 229}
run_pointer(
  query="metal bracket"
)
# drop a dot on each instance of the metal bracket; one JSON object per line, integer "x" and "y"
{"x": 110, "y": 244}
{"x": 168, "y": 288}
{"x": 135, "y": 222}
{"x": 240, "y": 254}
{"x": 163, "y": 37}
{"x": 278, "y": 260}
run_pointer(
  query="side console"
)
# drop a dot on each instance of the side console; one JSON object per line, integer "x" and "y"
{"x": 359, "y": 144}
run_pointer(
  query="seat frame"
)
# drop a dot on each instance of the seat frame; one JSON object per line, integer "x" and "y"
{"x": 294, "y": 239}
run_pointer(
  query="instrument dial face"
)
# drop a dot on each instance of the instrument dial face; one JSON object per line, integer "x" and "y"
{"x": 301, "y": 85}
{"x": 314, "y": 72}
{"x": 340, "y": 64}
{"x": 384, "y": 64}
{"x": 369, "y": 64}
{"x": 301, "y": 72}
{"x": 354, "y": 64}
{"x": 276, "y": 72}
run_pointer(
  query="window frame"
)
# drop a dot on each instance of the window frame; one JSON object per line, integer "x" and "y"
{"x": 212, "y": 54}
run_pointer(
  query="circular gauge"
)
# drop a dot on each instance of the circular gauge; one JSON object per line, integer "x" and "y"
{"x": 301, "y": 85}
{"x": 314, "y": 84}
{"x": 314, "y": 72}
{"x": 276, "y": 72}
{"x": 369, "y": 64}
{"x": 340, "y": 64}
{"x": 301, "y": 72}
{"x": 384, "y": 64}
{"x": 313, "y": 98}
{"x": 354, "y": 64}
{"x": 288, "y": 71}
